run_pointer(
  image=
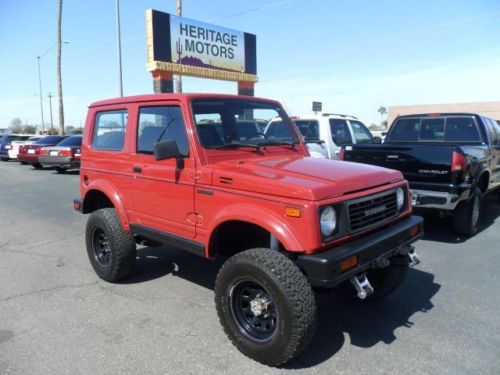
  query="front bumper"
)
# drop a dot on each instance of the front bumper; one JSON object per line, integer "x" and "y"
{"x": 59, "y": 161}
{"x": 323, "y": 269}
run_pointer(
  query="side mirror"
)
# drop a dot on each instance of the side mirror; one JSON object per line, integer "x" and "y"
{"x": 166, "y": 150}
{"x": 377, "y": 140}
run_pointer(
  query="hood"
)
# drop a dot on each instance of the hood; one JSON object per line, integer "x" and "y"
{"x": 302, "y": 178}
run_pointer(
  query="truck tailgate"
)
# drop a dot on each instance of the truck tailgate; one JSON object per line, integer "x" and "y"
{"x": 417, "y": 162}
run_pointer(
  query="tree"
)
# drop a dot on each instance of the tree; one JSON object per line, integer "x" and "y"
{"x": 382, "y": 111}
{"x": 16, "y": 125}
{"x": 29, "y": 129}
{"x": 59, "y": 77}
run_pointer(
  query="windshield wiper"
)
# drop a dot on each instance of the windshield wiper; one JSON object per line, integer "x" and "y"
{"x": 237, "y": 144}
{"x": 276, "y": 143}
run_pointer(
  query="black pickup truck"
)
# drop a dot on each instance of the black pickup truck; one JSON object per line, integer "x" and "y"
{"x": 450, "y": 160}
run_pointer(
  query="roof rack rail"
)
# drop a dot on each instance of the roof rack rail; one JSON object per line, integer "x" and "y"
{"x": 337, "y": 114}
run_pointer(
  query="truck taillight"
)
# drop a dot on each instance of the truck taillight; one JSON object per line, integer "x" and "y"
{"x": 458, "y": 162}
{"x": 342, "y": 153}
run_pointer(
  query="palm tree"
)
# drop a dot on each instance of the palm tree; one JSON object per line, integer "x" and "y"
{"x": 59, "y": 78}
{"x": 382, "y": 111}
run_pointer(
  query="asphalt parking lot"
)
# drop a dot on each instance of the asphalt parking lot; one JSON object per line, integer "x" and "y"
{"x": 57, "y": 317}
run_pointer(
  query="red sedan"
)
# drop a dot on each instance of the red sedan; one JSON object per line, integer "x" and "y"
{"x": 29, "y": 154}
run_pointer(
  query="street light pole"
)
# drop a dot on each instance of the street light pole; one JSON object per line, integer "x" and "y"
{"x": 117, "y": 2}
{"x": 41, "y": 97}
{"x": 50, "y": 106}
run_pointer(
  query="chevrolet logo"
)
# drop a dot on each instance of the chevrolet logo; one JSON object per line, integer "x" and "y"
{"x": 375, "y": 210}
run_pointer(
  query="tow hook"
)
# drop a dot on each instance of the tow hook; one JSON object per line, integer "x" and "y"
{"x": 362, "y": 285}
{"x": 410, "y": 252}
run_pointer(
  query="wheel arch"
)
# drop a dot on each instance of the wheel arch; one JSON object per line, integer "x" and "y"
{"x": 257, "y": 218}
{"x": 102, "y": 194}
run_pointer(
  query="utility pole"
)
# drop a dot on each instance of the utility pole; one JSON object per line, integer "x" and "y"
{"x": 117, "y": 2}
{"x": 178, "y": 80}
{"x": 50, "y": 106}
{"x": 59, "y": 75}
{"x": 41, "y": 98}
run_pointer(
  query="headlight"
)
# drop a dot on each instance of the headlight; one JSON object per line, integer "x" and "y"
{"x": 328, "y": 220}
{"x": 400, "y": 198}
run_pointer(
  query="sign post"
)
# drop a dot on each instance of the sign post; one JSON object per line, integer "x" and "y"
{"x": 178, "y": 45}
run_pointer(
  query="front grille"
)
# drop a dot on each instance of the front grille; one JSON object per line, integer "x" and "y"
{"x": 371, "y": 210}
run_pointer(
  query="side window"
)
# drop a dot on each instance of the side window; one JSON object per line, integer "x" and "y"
{"x": 496, "y": 128}
{"x": 109, "y": 130}
{"x": 308, "y": 128}
{"x": 340, "y": 132}
{"x": 157, "y": 124}
{"x": 361, "y": 132}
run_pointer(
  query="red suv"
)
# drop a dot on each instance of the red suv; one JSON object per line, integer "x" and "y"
{"x": 185, "y": 170}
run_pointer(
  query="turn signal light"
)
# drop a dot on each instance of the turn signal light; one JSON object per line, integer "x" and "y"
{"x": 414, "y": 231}
{"x": 292, "y": 212}
{"x": 348, "y": 263}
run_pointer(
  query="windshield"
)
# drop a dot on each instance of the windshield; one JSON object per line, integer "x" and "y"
{"x": 309, "y": 129}
{"x": 49, "y": 140}
{"x": 435, "y": 129}
{"x": 71, "y": 141}
{"x": 226, "y": 123}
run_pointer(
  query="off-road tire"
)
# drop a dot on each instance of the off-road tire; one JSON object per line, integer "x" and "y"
{"x": 383, "y": 280}
{"x": 37, "y": 166}
{"x": 122, "y": 250}
{"x": 464, "y": 222}
{"x": 292, "y": 298}
{"x": 60, "y": 170}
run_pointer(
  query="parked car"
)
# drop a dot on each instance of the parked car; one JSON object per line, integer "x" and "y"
{"x": 451, "y": 161}
{"x": 333, "y": 130}
{"x": 6, "y": 141}
{"x": 29, "y": 154}
{"x": 284, "y": 222}
{"x": 14, "y": 146}
{"x": 65, "y": 155}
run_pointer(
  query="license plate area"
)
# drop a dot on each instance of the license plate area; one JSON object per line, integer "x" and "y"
{"x": 54, "y": 153}
{"x": 31, "y": 151}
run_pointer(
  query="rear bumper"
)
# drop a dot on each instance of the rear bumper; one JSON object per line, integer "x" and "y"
{"x": 323, "y": 269}
{"x": 28, "y": 158}
{"x": 60, "y": 161}
{"x": 443, "y": 197}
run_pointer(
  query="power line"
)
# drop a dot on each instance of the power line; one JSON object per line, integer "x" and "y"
{"x": 267, "y": 6}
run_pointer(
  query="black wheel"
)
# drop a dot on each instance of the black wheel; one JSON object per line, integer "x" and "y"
{"x": 111, "y": 250}
{"x": 37, "y": 166}
{"x": 60, "y": 170}
{"x": 383, "y": 280}
{"x": 23, "y": 162}
{"x": 265, "y": 305}
{"x": 467, "y": 214}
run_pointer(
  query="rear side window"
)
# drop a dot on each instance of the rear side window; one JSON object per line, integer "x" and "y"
{"x": 71, "y": 141}
{"x": 308, "y": 128}
{"x": 157, "y": 124}
{"x": 109, "y": 130}
{"x": 361, "y": 132}
{"x": 405, "y": 130}
{"x": 340, "y": 132}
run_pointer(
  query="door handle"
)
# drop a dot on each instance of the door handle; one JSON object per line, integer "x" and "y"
{"x": 137, "y": 169}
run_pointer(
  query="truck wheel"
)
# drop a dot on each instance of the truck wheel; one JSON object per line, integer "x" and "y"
{"x": 111, "y": 250}
{"x": 265, "y": 305}
{"x": 383, "y": 280}
{"x": 467, "y": 214}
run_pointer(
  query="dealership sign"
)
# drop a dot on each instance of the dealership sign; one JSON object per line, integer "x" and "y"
{"x": 183, "y": 46}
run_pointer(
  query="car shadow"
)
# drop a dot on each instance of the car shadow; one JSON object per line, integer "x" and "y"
{"x": 366, "y": 323}
{"x": 71, "y": 172}
{"x": 440, "y": 229}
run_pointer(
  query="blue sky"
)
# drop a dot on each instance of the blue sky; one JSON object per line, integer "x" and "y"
{"x": 354, "y": 56}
